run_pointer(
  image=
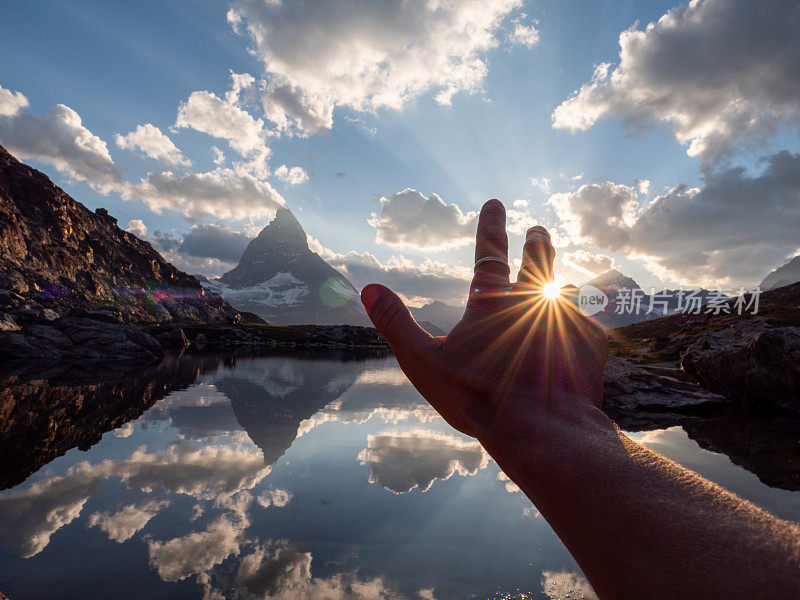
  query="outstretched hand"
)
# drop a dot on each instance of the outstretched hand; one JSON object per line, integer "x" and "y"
{"x": 515, "y": 349}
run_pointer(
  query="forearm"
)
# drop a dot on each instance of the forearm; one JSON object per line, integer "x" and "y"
{"x": 639, "y": 525}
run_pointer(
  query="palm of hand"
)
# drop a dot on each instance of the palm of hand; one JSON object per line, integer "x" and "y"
{"x": 514, "y": 349}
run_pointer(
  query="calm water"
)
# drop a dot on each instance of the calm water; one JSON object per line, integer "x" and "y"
{"x": 280, "y": 477}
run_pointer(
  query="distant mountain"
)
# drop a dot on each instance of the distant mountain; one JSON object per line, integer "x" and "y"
{"x": 281, "y": 280}
{"x": 442, "y": 316}
{"x": 614, "y": 284}
{"x": 785, "y": 275}
{"x": 628, "y": 303}
{"x": 56, "y": 255}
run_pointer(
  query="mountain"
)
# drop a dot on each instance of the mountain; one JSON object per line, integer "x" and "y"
{"x": 616, "y": 314}
{"x": 628, "y": 303}
{"x": 57, "y": 255}
{"x": 442, "y": 316}
{"x": 281, "y": 280}
{"x": 785, "y": 275}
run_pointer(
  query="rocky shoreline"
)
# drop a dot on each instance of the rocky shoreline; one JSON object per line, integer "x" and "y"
{"x": 103, "y": 336}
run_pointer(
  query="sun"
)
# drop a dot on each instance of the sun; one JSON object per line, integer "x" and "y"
{"x": 552, "y": 290}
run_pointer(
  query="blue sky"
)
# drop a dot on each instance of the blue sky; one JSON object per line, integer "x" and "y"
{"x": 121, "y": 65}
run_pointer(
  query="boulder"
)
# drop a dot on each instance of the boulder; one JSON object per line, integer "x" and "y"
{"x": 750, "y": 362}
{"x": 630, "y": 387}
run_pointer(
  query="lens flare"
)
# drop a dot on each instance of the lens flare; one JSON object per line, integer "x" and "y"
{"x": 552, "y": 290}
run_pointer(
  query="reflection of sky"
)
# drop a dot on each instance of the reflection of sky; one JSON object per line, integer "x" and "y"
{"x": 371, "y": 496}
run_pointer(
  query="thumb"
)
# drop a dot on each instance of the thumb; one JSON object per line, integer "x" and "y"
{"x": 394, "y": 322}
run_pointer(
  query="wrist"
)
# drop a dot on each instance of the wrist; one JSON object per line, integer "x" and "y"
{"x": 545, "y": 435}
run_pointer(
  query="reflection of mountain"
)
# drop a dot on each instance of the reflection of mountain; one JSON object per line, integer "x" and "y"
{"x": 766, "y": 445}
{"x": 43, "y": 418}
{"x": 271, "y": 396}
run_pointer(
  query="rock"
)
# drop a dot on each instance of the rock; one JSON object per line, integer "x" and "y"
{"x": 174, "y": 338}
{"x": 629, "y": 387}
{"x": 7, "y": 323}
{"x": 56, "y": 254}
{"x": 750, "y": 362}
{"x": 200, "y": 341}
{"x": 48, "y": 314}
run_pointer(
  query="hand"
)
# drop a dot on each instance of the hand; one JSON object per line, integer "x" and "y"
{"x": 515, "y": 351}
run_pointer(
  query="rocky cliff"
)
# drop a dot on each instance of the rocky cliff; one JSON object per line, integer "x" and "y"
{"x": 55, "y": 255}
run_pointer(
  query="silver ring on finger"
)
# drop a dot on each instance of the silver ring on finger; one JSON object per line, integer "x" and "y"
{"x": 489, "y": 259}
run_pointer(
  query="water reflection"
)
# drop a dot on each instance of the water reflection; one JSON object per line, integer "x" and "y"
{"x": 279, "y": 477}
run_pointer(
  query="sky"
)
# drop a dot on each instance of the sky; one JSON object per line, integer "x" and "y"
{"x": 657, "y": 138}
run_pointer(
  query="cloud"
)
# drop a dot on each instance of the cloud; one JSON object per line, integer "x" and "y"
{"x": 402, "y": 461}
{"x": 587, "y": 262}
{"x": 721, "y": 73}
{"x": 730, "y": 232}
{"x": 511, "y": 487}
{"x": 29, "y": 516}
{"x": 137, "y": 228}
{"x": 558, "y": 585}
{"x": 278, "y": 570}
{"x": 197, "y": 552}
{"x": 219, "y": 156}
{"x": 221, "y": 193}
{"x": 366, "y": 56}
{"x": 59, "y": 138}
{"x": 275, "y": 497}
{"x": 411, "y": 219}
{"x": 11, "y": 102}
{"x": 153, "y": 143}
{"x": 214, "y": 241}
{"x": 225, "y": 119}
{"x": 522, "y": 34}
{"x": 417, "y": 282}
{"x": 291, "y": 176}
{"x": 125, "y": 523}
{"x": 543, "y": 183}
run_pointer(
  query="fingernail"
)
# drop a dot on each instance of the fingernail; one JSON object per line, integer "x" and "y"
{"x": 537, "y": 233}
{"x": 370, "y": 295}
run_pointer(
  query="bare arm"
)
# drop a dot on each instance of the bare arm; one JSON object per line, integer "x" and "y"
{"x": 523, "y": 374}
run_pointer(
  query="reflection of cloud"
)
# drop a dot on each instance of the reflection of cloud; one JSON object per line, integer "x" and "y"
{"x": 29, "y": 516}
{"x": 196, "y": 552}
{"x": 199, "y": 552}
{"x": 403, "y": 461}
{"x": 385, "y": 376}
{"x": 511, "y": 487}
{"x": 276, "y": 497}
{"x": 566, "y": 585}
{"x": 124, "y": 524}
{"x": 283, "y": 571}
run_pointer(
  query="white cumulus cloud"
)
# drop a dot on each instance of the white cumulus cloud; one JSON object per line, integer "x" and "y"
{"x": 221, "y": 193}
{"x": 11, "y": 102}
{"x": 732, "y": 231}
{"x": 721, "y": 73}
{"x": 59, "y": 138}
{"x": 411, "y": 219}
{"x": 369, "y": 55}
{"x": 291, "y": 175}
{"x": 153, "y": 143}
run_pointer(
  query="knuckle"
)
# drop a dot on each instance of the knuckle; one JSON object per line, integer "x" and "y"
{"x": 390, "y": 315}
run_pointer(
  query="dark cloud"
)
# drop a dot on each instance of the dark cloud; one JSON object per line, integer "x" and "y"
{"x": 214, "y": 241}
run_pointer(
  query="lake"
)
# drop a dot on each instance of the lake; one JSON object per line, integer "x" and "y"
{"x": 284, "y": 477}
